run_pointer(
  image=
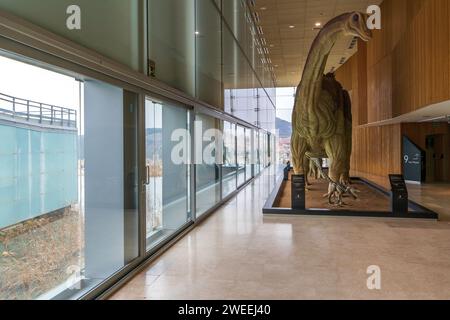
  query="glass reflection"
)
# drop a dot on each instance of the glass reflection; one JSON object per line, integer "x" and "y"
{"x": 208, "y": 172}
{"x": 240, "y": 135}
{"x": 167, "y": 177}
{"x": 229, "y": 168}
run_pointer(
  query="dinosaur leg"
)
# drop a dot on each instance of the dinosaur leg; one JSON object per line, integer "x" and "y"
{"x": 335, "y": 148}
{"x": 298, "y": 149}
{"x": 319, "y": 174}
{"x": 311, "y": 172}
{"x": 307, "y": 170}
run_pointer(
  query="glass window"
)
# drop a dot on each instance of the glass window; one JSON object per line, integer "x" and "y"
{"x": 230, "y": 70}
{"x": 208, "y": 53}
{"x": 237, "y": 74}
{"x": 272, "y": 149}
{"x": 266, "y": 149}
{"x": 208, "y": 170}
{"x": 256, "y": 151}
{"x": 110, "y": 178}
{"x": 229, "y": 159}
{"x": 262, "y": 150}
{"x": 252, "y": 111}
{"x": 262, "y": 108}
{"x": 167, "y": 169}
{"x": 248, "y": 154}
{"x": 234, "y": 12}
{"x": 227, "y": 96}
{"x": 252, "y": 45}
{"x": 67, "y": 221}
{"x": 171, "y": 44}
{"x": 112, "y": 29}
{"x": 240, "y": 134}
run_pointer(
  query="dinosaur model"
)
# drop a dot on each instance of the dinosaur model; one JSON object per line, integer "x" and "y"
{"x": 314, "y": 170}
{"x": 321, "y": 119}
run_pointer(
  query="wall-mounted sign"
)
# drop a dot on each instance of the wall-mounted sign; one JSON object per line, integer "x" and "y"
{"x": 413, "y": 161}
{"x": 399, "y": 194}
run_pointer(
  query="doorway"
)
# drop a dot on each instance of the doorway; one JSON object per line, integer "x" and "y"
{"x": 435, "y": 158}
{"x": 167, "y": 170}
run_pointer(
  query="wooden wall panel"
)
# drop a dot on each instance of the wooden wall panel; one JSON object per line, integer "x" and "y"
{"x": 417, "y": 132}
{"x": 376, "y": 151}
{"x": 408, "y": 60}
{"x": 407, "y": 66}
{"x": 399, "y": 21}
{"x": 413, "y": 8}
{"x": 360, "y": 82}
{"x": 345, "y": 73}
{"x": 379, "y": 90}
{"x": 353, "y": 77}
{"x": 401, "y": 79}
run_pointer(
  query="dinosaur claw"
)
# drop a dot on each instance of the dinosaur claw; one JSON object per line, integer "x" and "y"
{"x": 354, "y": 192}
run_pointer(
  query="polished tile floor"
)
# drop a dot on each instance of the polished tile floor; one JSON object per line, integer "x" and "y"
{"x": 238, "y": 253}
{"x": 434, "y": 196}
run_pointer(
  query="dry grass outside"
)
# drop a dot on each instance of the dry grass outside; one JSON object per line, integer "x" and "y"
{"x": 154, "y": 216}
{"x": 35, "y": 255}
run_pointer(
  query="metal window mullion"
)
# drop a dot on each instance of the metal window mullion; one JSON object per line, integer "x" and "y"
{"x": 193, "y": 171}
{"x": 142, "y": 196}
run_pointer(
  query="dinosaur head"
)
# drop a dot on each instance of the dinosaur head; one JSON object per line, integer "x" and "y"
{"x": 356, "y": 26}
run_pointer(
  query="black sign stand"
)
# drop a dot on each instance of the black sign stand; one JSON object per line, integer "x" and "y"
{"x": 298, "y": 191}
{"x": 399, "y": 194}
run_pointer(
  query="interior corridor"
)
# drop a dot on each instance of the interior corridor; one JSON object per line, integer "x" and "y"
{"x": 237, "y": 253}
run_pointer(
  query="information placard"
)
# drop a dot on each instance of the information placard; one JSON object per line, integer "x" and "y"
{"x": 298, "y": 191}
{"x": 399, "y": 194}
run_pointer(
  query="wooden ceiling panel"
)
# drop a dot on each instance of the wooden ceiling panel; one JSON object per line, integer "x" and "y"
{"x": 288, "y": 28}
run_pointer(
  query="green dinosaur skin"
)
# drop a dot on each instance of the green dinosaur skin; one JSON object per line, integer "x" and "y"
{"x": 321, "y": 119}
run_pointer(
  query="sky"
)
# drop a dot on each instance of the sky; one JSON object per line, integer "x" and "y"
{"x": 285, "y": 103}
{"x": 28, "y": 82}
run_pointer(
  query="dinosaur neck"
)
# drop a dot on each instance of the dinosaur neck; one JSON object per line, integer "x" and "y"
{"x": 320, "y": 50}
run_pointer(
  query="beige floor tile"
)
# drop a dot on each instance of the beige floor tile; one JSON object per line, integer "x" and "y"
{"x": 237, "y": 253}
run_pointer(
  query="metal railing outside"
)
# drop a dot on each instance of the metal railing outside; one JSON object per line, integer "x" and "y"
{"x": 37, "y": 112}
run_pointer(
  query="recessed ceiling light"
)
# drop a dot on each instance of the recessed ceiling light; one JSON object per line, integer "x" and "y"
{"x": 291, "y": 26}
{"x": 196, "y": 32}
{"x": 318, "y": 24}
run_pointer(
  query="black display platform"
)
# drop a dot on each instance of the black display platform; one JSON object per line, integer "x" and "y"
{"x": 420, "y": 211}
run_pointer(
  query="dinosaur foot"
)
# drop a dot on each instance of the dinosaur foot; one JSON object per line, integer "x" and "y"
{"x": 335, "y": 196}
{"x": 353, "y": 192}
{"x": 336, "y": 193}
